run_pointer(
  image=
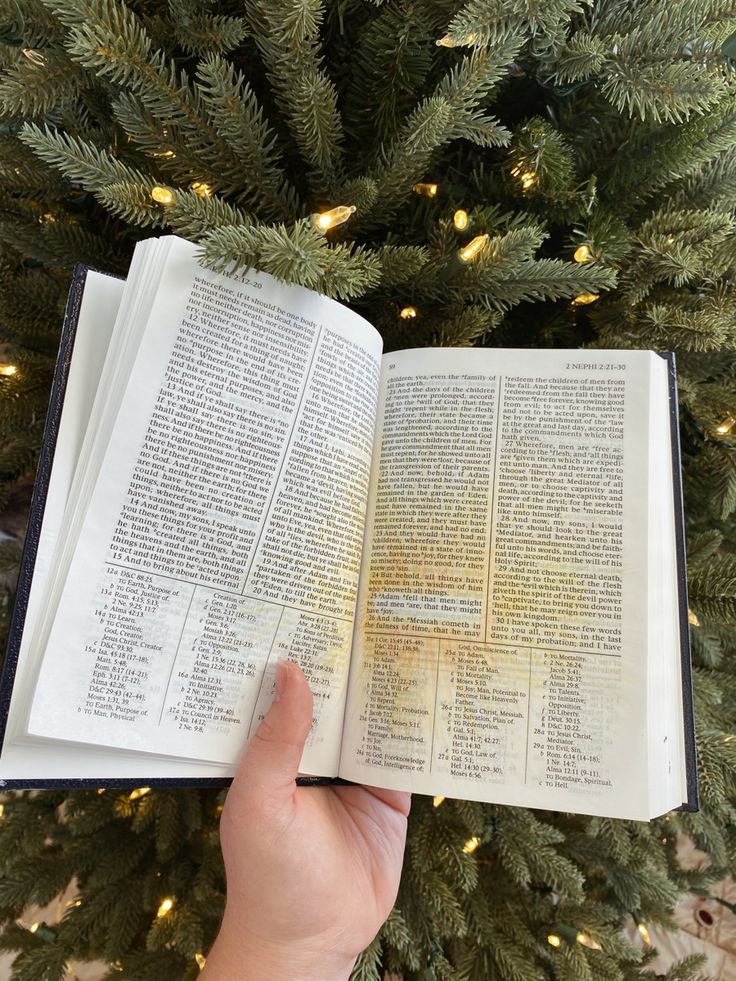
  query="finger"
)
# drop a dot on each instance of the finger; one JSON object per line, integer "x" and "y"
{"x": 399, "y": 800}
{"x": 271, "y": 759}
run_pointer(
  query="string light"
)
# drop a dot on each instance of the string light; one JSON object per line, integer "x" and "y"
{"x": 200, "y": 959}
{"x": 472, "y": 249}
{"x": 46, "y": 219}
{"x": 447, "y": 42}
{"x": 101, "y": 791}
{"x": 527, "y": 177}
{"x": 428, "y": 190}
{"x": 140, "y": 792}
{"x": 471, "y": 844}
{"x": 202, "y": 189}
{"x": 165, "y": 907}
{"x": 583, "y": 254}
{"x": 584, "y": 298}
{"x": 326, "y": 220}
{"x": 73, "y": 902}
{"x": 169, "y": 154}
{"x": 726, "y": 425}
{"x": 33, "y": 927}
{"x": 2, "y": 810}
{"x": 692, "y": 618}
{"x": 408, "y": 313}
{"x": 162, "y": 195}
{"x": 436, "y": 801}
{"x": 35, "y": 57}
{"x": 553, "y": 940}
{"x": 8, "y": 369}
{"x": 587, "y": 941}
{"x": 641, "y": 927}
{"x": 460, "y": 220}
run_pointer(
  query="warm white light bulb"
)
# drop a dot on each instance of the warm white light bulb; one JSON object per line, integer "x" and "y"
{"x": 165, "y": 906}
{"x": 474, "y": 247}
{"x": 326, "y": 220}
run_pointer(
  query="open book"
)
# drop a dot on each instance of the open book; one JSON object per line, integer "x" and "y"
{"x": 475, "y": 555}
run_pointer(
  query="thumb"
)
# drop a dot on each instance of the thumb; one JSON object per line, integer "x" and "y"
{"x": 271, "y": 759}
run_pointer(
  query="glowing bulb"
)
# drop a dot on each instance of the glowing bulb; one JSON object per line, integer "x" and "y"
{"x": 73, "y": 902}
{"x": 2, "y": 810}
{"x": 428, "y": 190}
{"x": 34, "y": 927}
{"x": 101, "y": 790}
{"x": 692, "y": 618}
{"x": 641, "y": 927}
{"x": 35, "y": 57}
{"x": 471, "y": 844}
{"x": 162, "y": 195}
{"x": 587, "y": 941}
{"x": 527, "y": 177}
{"x": 201, "y": 188}
{"x": 408, "y": 313}
{"x": 447, "y": 42}
{"x": 727, "y": 425}
{"x": 584, "y": 298}
{"x": 553, "y": 940}
{"x": 460, "y": 219}
{"x": 472, "y": 249}
{"x": 165, "y": 906}
{"x": 583, "y": 254}
{"x": 140, "y": 792}
{"x": 8, "y": 369}
{"x": 169, "y": 154}
{"x": 46, "y": 219}
{"x": 336, "y": 216}
{"x": 200, "y": 959}
{"x": 436, "y": 801}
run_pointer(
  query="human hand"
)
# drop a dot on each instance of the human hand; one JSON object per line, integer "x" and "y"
{"x": 312, "y": 872}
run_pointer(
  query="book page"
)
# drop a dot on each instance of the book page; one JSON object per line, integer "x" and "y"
{"x": 225, "y": 527}
{"x": 501, "y": 636}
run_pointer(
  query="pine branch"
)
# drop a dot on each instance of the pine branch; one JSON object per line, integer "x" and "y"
{"x": 432, "y": 125}
{"x": 106, "y": 36}
{"x": 36, "y": 89}
{"x": 193, "y": 216}
{"x": 299, "y": 254}
{"x": 486, "y": 21}
{"x": 713, "y": 590}
{"x": 287, "y": 35}
{"x": 238, "y": 118}
{"x": 202, "y": 33}
{"x": 80, "y": 161}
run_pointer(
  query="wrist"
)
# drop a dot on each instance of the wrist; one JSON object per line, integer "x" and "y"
{"x": 237, "y": 956}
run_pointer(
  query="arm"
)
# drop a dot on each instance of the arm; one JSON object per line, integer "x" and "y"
{"x": 312, "y": 872}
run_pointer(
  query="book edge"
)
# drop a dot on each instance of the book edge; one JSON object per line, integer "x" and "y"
{"x": 692, "y": 803}
{"x": 40, "y": 491}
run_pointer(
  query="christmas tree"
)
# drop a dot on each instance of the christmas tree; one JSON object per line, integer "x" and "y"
{"x": 582, "y": 157}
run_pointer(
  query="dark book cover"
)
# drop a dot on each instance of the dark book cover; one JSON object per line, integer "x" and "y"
{"x": 691, "y": 762}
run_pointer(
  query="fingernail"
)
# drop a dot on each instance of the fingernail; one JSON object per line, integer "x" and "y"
{"x": 282, "y": 678}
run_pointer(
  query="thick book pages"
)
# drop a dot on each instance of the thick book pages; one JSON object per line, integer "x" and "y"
{"x": 510, "y": 532}
{"x": 518, "y": 617}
